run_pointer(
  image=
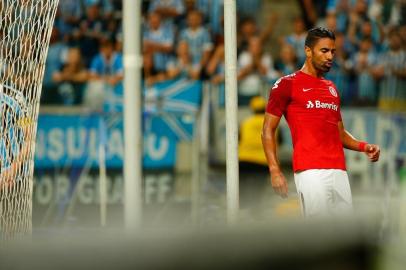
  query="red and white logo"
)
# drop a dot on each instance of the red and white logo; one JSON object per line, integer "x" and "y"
{"x": 333, "y": 91}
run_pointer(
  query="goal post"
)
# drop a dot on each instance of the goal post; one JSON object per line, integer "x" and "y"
{"x": 230, "y": 39}
{"x": 25, "y": 30}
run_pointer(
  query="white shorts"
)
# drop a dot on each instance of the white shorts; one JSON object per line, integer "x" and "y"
{"x": 324, "y": 192}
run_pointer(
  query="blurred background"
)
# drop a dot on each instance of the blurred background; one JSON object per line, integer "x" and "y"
{"x": 184, "y": 109}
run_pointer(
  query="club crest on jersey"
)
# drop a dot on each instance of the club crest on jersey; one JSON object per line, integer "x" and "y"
{"x": 321, "y": 105}
{"x": 333, "y": 91}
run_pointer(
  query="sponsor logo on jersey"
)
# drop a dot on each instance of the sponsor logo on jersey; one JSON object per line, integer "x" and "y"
{"x": 333, "y": 91}
{"x": 321, "y": 105}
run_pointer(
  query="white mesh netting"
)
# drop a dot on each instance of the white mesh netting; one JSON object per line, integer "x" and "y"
{"x": 25, "y": 29}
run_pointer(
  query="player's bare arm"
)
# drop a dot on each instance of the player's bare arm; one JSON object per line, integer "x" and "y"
{"x": 349, "y": 142}
{"x": 278, "y": 180}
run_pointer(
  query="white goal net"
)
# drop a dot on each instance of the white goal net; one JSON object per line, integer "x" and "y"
{"x": 25, "y": 29}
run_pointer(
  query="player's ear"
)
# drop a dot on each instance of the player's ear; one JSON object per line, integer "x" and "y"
{"x": 308, "y": 51}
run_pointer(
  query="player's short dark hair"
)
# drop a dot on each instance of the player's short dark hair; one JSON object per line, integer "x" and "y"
{"x": 313, "y": 35}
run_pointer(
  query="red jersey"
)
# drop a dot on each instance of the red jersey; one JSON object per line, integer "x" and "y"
{"x": 311, "y": 107}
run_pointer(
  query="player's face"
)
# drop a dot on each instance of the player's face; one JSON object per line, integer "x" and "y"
{"x": 322, "y": 54}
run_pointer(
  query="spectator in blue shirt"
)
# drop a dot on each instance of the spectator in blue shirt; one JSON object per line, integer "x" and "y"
{"x": 365, "y": 60}
{"x": 365, "y": 29}
{"x": 287, "y": 61}
{"x": 68, "y": 16}
{"x": 71, "y": 11}
{"x": 168, "y": 9}
{"x": 198, "y": 39}
{"x": 212, "y": 12}
{"x": 297, "y": 39}
{"x": 15, "y": 140}
{"x": 157, "y": 45}
{"x": 55, "y": 59}
{"x": 249, "y": 28}
{"x": 182, "y": 66}
{"x": 107, "y": 65}
{"x": 71, "y": 78}
{"x": 340, "y": 9}
{"x": 91, "y": 30}
{"x": 391, "y": 70}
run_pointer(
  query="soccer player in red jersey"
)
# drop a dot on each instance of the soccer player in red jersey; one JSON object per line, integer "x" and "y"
{"x": 311, "y": 107}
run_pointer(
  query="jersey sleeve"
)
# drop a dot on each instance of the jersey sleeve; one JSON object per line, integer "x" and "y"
{"x": 279, "y": 97}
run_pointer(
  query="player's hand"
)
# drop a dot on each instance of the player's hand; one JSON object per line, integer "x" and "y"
{"x": 279, "y": 183}
{"x": 372, "y": 151}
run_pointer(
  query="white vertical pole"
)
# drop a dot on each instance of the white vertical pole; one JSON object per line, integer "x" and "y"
{"x": 230, "y": 34}
{"x": 102, "y": 185}
{"x": 196, "y": 168}
{"x": 402, "y": 211}
{"x": 132, "y": 114}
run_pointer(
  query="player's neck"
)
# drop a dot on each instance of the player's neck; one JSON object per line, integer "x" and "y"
{"x": 310, "y": 70}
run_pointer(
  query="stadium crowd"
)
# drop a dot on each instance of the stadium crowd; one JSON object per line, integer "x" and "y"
{"x": 184, "y": 38}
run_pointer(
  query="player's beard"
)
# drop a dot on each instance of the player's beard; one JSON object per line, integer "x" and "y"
{"x": 321, "y": 67}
